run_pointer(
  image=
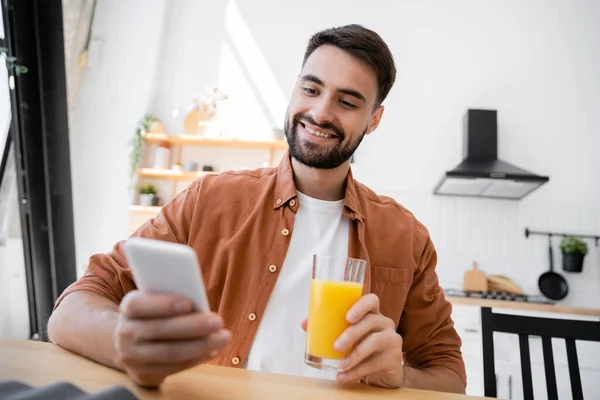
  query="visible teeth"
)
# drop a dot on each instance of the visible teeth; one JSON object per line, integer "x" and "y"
{"x": 317, "y": 133}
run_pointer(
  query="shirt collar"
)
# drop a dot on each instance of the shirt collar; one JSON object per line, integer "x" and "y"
{"x": 285, "y": 189}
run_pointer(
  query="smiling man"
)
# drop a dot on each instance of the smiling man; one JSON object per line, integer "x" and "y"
{"x": 255, "y": 233}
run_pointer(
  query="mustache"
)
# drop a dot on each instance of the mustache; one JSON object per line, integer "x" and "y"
{"x": 325, "y": 125}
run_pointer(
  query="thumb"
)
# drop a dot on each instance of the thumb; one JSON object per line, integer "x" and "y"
{"x": 304, "y": 323}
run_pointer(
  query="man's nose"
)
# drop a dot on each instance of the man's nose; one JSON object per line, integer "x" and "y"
{"x": 322, "y": 111}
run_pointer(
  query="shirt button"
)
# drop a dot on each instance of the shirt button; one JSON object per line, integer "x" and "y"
{"x": 278, "y": 201}
{"x": 272, "y": 268}
{"x": 285, "y": 232}
{"x": 235, "y": 361}
{"x": 292, "y": 202}
{"x": 251, "y": 316}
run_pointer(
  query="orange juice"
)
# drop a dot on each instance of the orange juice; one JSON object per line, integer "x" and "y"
{"x": 330, "y": 301}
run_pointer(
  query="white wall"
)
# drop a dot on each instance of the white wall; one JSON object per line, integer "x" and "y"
{"x": 536, "y": 62}
{"x": 114, "y": 95}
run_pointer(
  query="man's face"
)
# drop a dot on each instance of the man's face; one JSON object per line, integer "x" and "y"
{"x": 331, "y": 109}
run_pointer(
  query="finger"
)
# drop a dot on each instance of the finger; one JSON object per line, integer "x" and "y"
{"x": 367, "y": 304}
{"x": 145, "y": 305}
{"x": 383, "y": 362}
{"x": 147, "y": 353}
{"x": 304, "y": 324}
{"x": 388, "y": 341}
{"x": 354, "y": 333}
{"x": 183, "y": 327}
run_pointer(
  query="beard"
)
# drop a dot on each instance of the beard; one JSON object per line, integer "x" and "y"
{"x": 319, "y": 156}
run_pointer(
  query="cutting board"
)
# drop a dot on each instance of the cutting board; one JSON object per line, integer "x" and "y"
{"x": 500, "y": 283}
{"x": 476, "y": 280}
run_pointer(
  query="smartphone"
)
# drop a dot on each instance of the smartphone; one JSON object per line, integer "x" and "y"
{"x": 166, "y": 268}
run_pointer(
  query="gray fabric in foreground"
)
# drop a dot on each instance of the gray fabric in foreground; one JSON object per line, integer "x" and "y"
{"x": 13, "y": 390}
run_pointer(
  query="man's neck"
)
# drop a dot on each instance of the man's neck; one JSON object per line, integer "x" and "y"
{"x": 322, "y": 184}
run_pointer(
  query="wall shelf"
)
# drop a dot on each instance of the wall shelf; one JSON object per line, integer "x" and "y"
{"x": 140, "y": 214}
{"x": 196, "y": 140}
{"x": 173, "y": 174}
{"x": 145, "y": 210}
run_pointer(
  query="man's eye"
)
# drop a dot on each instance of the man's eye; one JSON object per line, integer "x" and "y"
{"x": 347, "y": 104}
{"x": 309, "y": 91}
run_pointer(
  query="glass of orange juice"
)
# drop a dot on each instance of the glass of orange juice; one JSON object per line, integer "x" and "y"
{"x": 337, "y": 284}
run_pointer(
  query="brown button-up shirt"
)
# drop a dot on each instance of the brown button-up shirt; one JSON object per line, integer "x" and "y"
{"x": 240, "y": 225}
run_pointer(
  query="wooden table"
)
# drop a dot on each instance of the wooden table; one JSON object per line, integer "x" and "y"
{"x": 38, "y": 363}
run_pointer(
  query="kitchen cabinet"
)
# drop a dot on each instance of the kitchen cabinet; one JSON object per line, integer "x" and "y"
{"x": 467, "y": 319}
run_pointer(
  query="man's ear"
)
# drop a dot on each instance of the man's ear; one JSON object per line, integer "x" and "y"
{"x": 375, "y": 120}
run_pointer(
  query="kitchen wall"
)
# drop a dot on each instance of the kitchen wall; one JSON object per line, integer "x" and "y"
{"x": 115, "y": 91}
{"x": 536, "y": 62}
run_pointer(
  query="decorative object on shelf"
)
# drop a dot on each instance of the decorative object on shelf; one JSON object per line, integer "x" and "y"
{"x": 215, "y": 97}
{"x": 196, "y": 120}
{"x": 137, "y": 143}
{"x": 162, "y": 156}
{"x": 156, "y": 127}
{"x": 207, "y": 168}
{"x": 203, "y": 111}
{"x": 176, "y": 167}
{"x": 190, "y": 166}
{"x": 149, "y": 195}
{"x": 573, "y": 251}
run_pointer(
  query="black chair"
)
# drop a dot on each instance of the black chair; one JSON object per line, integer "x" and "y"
{"x": 547, "y": 328}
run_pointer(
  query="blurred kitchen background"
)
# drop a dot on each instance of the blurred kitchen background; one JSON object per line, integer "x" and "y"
{"x": 536, "y": 63}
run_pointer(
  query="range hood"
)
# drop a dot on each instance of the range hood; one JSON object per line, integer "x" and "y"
{"x": 482, "y": 174}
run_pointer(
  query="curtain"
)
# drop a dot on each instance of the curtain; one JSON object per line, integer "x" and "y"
{"x": 77, "y": 25}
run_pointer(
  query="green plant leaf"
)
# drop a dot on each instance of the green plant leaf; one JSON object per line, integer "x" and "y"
{"x": 573, "y": 245}
{"x": 137, "y": 142}
{"x": 20, "y": 69}
{"x": 148, "y": 189}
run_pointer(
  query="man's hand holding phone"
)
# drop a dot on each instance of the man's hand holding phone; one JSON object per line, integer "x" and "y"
{"x": 161, "y": 334}
{"x": 166, "y": 326}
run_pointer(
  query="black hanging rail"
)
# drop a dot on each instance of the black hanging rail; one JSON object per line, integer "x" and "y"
{"x": 529, "y": 232}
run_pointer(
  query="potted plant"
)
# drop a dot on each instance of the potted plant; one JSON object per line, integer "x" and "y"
{"x": 148, "y": 195}
{"x": 574, "y": 250}
{"x": 148, "y": 124}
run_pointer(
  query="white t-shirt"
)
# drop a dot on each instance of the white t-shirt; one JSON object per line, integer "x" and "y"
{"x": 319, "y": 228}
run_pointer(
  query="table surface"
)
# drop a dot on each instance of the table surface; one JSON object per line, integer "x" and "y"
{"x": 523, "y": 305}
{"x": 38, "y": 363}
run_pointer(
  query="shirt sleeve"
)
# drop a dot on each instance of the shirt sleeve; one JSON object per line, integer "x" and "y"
{"x": 426, "y": 326}
{"x": 108, "y": 274}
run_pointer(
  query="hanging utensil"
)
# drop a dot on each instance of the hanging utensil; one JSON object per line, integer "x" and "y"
{"x": 551, "y": 284}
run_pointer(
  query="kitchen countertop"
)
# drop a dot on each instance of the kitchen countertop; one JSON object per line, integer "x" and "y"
{"x": 523, "y": 305}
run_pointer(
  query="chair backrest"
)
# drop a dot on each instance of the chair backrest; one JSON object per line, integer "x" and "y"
{"x": 547, "y": 328}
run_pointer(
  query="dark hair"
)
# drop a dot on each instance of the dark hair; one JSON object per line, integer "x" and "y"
{"x": 363, "y": 44}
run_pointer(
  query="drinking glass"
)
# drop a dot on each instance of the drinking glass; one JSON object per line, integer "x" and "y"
{"x": 337, "y": 284}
